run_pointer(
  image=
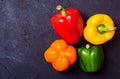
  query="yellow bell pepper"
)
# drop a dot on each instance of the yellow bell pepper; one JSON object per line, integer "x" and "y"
{"x": 99, "y": 29}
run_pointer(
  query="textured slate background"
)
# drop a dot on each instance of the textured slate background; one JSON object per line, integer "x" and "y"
{"x": 26, "y": 32}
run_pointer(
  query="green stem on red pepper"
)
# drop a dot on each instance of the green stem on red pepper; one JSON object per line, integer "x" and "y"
{"x": 102, "y": 29}
{"x": 63, "y": 12}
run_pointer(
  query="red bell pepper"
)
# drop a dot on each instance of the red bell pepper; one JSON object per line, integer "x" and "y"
{"x": 68, "y": 24}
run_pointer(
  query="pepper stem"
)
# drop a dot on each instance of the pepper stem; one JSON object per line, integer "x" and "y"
{"x": 102, "y": 29}
{"x": 63, "y": 12}
{"x": 87, "y": 46}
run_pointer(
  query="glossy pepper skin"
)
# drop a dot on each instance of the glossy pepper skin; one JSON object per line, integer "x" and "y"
{"x": 60, "y": 55}
{"x": 90, "y": 58}
{"x": 99, "y": 29}
{"x": 68, "y": 24}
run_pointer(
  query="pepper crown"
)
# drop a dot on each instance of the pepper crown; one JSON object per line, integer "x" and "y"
{"x": 63, "y": 12}
{"x": 87, "y": 46}
{"x": 102, "y": 29}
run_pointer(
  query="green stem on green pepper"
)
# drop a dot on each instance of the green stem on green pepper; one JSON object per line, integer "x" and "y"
{"x": 87, "y": 46}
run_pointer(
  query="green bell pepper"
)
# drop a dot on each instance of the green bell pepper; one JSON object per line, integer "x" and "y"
{"x": 90, "y": 58}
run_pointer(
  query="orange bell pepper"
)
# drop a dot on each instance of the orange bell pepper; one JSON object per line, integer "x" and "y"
{"x": 60, "y": 55}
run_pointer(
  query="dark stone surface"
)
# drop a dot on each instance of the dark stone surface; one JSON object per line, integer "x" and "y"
{"x": 26, "y": 32}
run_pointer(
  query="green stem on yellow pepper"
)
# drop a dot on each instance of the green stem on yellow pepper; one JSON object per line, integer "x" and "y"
{"x": 63, "y": 12}
{"x": 102, "y": 29}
